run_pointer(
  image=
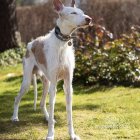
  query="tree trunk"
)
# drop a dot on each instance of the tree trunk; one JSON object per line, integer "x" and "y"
{"x": 8, "y": 25}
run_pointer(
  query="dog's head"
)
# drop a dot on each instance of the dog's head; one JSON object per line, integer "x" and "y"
{"x": 71, "y": 16}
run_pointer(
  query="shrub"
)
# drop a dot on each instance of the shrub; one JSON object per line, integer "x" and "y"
{"x": 12, "y": 56}
{"x": 103, "y": 60}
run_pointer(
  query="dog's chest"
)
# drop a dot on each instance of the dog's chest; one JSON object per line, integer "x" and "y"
{"x": 63, "y": 55}
{"x": 61, "y": 59}
{"x": 64, "y": 66}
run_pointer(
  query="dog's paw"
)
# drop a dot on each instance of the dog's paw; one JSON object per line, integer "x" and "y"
{"x": 75, "y": 137}
{"x": 50, "y": 138}
{"x": 14, "y": 119}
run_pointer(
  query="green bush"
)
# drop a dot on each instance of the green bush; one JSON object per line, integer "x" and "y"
{"x": 99, "y": 59}
{"x": 12, "y": 56}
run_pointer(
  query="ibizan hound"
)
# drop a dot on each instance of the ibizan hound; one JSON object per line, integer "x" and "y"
{"x": 53, "y": 54}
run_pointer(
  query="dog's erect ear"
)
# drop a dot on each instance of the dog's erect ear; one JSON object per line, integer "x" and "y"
{"x": 73, "y": 3}
{"x": 58, "y": 5}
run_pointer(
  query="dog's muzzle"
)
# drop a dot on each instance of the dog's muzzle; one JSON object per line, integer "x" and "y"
{"x": 89, "y": 21}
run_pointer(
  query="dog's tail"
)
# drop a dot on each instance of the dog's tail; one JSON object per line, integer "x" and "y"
{"x": 35, "y": 90}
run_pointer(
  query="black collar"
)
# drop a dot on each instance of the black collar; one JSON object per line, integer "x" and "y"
{"x": 61, "y": 36}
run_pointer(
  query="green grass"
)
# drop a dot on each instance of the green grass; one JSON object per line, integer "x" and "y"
{"x": 98, "y": 112}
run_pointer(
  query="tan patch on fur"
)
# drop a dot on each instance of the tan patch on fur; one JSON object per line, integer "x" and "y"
{"x": 60, "y": 74}
{"x": 37, "y": 49}
{"x": 63, "y": 74}
{"x": 27, "y": 55}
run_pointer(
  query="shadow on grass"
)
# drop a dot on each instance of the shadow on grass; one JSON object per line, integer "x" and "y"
{"x": 8, "y": 126}
{"x": 13, "y": 79}
{"x": 29, "y": 117}
{"x": 62, "y": 107}
{"x": 80, "y": 89}
{"x": 6, "y": 109}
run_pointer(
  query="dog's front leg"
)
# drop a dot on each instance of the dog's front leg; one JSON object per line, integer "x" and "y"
{"x": 52, "y": 95}
{"x": 69, "y": 91}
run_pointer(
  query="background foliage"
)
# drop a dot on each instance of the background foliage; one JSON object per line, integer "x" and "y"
{"x": 99, "y": 58}
{"x": 12, "y": 56}
{"x": 106, "y": 61}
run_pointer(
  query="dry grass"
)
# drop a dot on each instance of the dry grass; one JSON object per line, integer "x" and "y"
{"x": 117, "y": 16}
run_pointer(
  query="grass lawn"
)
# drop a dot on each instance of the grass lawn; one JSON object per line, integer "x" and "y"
{"x": 98, "y": 112}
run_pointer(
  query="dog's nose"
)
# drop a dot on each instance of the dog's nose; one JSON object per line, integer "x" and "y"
{"x": 88, "y": 20}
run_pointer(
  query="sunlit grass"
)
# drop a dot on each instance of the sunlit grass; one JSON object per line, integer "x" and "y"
{"x": 98, "y": 112}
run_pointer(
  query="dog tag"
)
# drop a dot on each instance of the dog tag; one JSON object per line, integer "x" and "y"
{"x": 69, "y": 43}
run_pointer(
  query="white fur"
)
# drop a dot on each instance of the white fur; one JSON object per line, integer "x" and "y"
{"x": 60, "y": 65}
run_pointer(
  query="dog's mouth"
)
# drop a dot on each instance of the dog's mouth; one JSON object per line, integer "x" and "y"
{"x": 88, "y": 21}
{"x": 85, "y": 25}
{"x": 89, "y": 24}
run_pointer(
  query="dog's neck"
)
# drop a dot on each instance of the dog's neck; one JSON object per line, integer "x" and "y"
{"x": 61, "y": 36}
{"x": 64, "y": 28}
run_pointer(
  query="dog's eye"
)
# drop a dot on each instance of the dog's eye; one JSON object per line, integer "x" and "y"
{"x": 74, "y": 13}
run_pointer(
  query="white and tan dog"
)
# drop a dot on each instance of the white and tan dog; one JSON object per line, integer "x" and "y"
{"x": 53, "y": 54}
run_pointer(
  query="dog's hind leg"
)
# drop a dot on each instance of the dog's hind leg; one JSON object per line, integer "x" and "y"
{"x": 35, "y": 90}
{"x": 46, "y": 85}
{"x": 27, "y": 69}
